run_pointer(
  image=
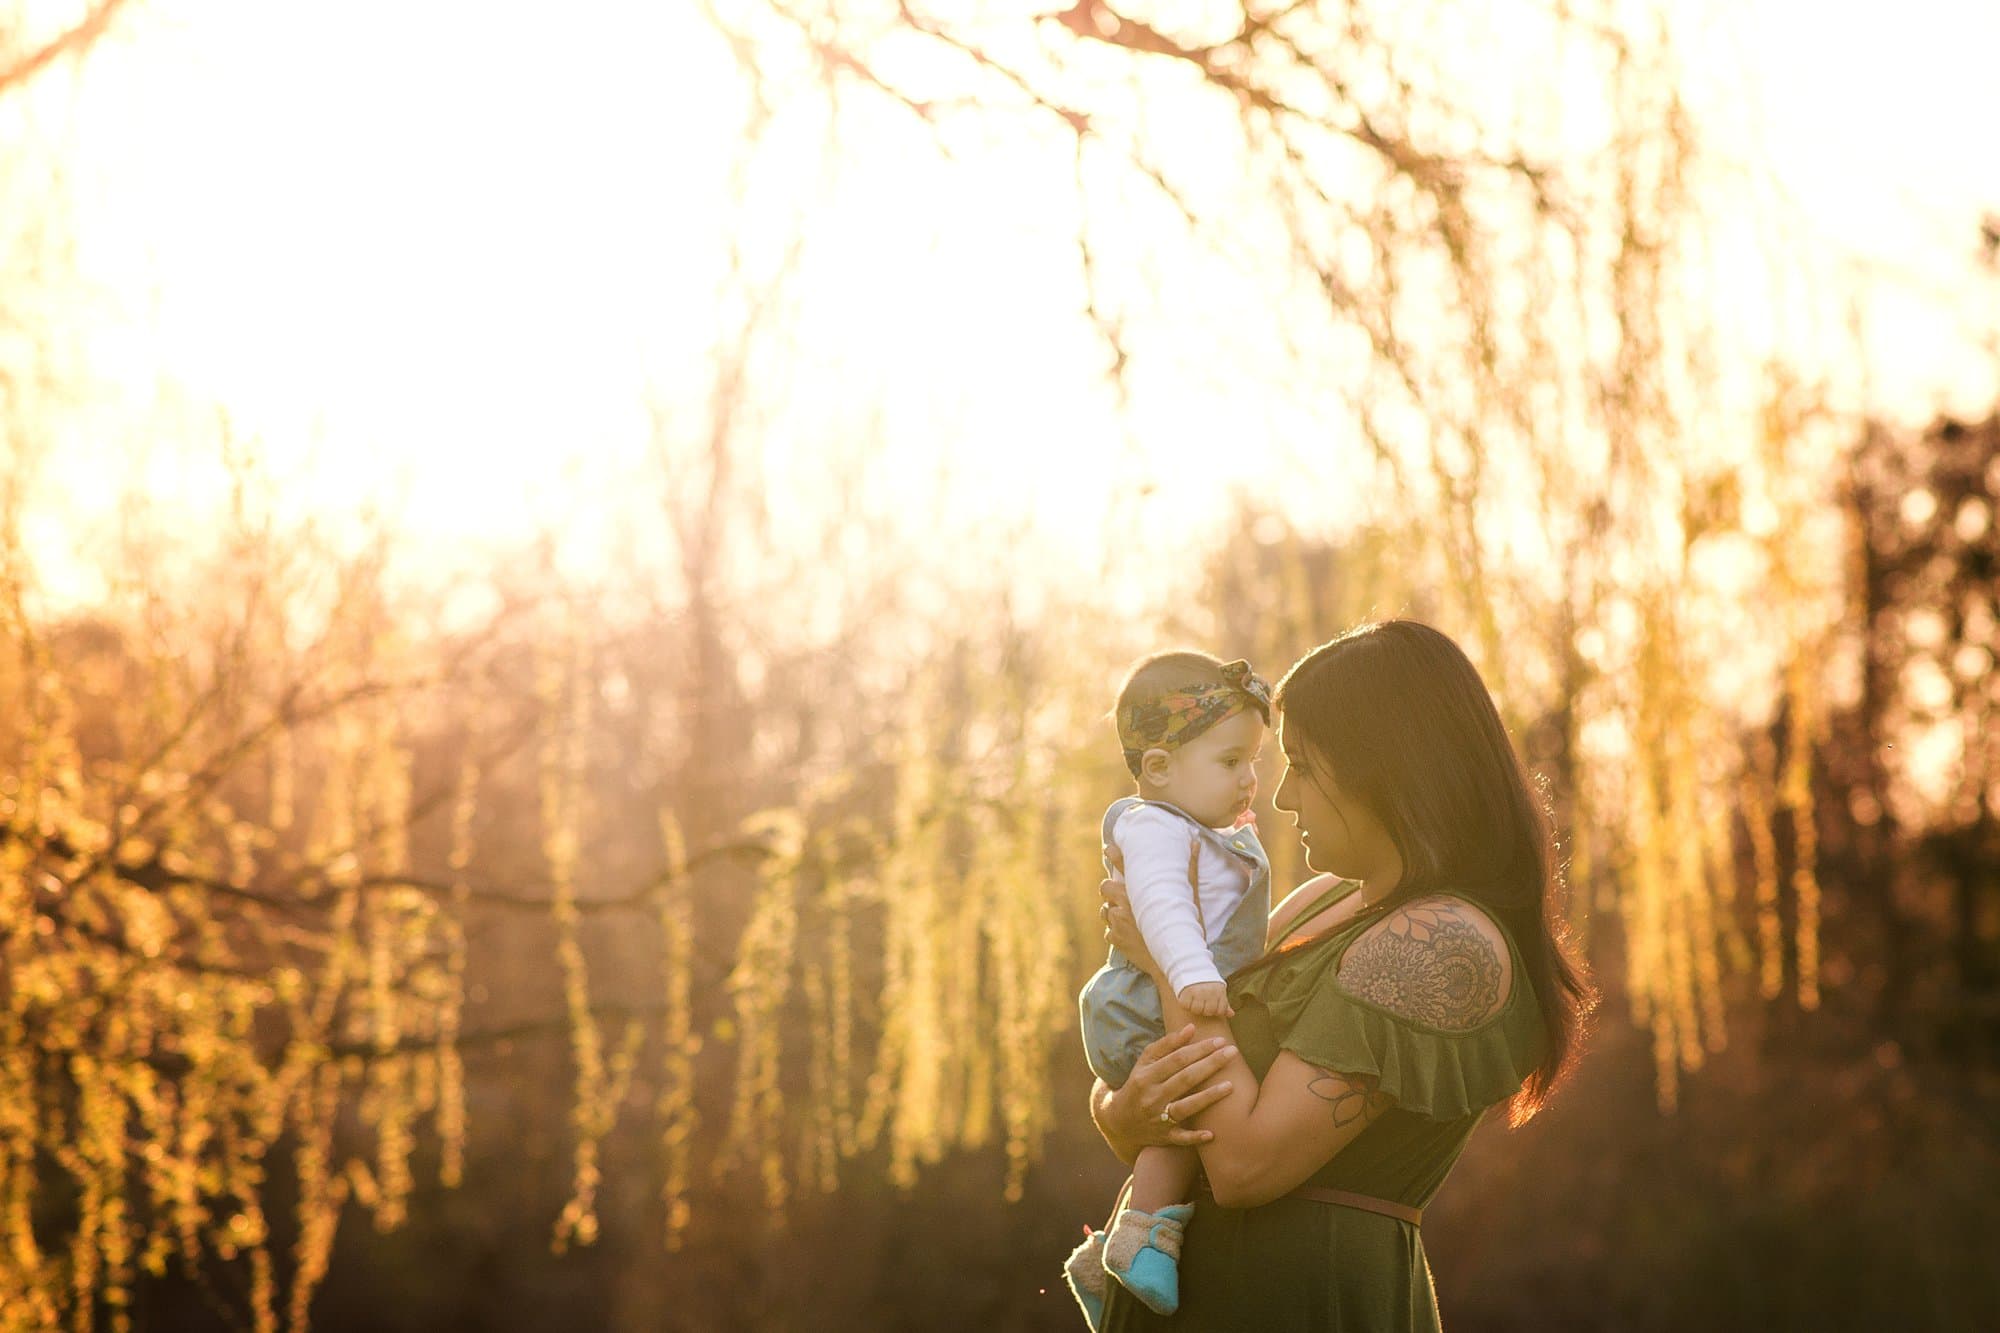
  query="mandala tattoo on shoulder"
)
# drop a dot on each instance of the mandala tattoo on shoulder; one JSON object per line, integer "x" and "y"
{"x": 1429, "y": 963}
{"x": 1352, "y": 1097}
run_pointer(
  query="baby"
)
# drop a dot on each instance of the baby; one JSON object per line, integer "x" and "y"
{"x": 1191, "y": 727}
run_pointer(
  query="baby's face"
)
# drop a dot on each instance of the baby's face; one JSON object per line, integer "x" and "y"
{"x": 1214, "y": 776}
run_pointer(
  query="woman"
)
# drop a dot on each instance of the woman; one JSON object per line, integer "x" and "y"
{"x": 1420, "y": 979}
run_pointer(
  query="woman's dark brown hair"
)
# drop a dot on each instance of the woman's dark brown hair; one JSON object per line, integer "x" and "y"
{"x": 1403, "y": 723}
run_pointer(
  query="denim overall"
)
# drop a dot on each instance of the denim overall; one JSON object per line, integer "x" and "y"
{"x": 1119, "y": 1005}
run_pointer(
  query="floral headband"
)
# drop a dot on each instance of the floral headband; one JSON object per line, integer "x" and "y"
{"x": 1169, "y": 721}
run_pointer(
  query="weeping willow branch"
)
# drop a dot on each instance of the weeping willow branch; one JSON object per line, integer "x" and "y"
{"x": 17, "y": 69}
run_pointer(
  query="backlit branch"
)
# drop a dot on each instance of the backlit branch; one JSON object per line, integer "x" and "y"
{"x": 17, "y": 70}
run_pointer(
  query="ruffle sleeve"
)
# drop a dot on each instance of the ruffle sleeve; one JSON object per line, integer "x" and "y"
{"x": 1438, "y": 1074}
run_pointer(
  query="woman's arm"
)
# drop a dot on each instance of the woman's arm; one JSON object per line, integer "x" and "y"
{"x": 1267, "y": 1139}
{"x": 1255, "y": 1141}
{"x": 1168, "y": 1077}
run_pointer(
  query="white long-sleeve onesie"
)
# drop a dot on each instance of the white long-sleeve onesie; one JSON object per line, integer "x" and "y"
{"x": 1154, "y": 843}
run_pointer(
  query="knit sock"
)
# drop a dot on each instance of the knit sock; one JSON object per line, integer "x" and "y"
{"x": 1084, "y": 1271}
{"x": 1143, "y": 1251}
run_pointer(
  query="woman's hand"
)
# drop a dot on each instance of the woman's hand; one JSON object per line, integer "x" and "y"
{"x": 1165, "y": 1091}
{"x": 1120, "y": 929}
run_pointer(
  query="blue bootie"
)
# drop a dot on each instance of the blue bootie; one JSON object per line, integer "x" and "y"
{"x": 1084, "y": 1271}
{"x": 1143, "y": 1251}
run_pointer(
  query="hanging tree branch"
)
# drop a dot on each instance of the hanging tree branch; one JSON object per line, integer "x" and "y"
{"x": 17, "y": 70}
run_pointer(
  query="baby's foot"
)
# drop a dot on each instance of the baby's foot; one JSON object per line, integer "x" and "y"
{"x": 1084, "y": 1271}
{"x": 1143, "y": 1251}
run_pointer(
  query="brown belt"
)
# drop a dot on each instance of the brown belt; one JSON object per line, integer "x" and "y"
{"x": 1367, "y": 1203}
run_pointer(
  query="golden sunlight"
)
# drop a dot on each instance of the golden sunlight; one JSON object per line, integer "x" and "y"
{"x": 566, "y": 572}
{"x": 462, "y": 264}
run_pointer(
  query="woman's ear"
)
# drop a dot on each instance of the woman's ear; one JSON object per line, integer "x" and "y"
{"x": 1155, "y": 767}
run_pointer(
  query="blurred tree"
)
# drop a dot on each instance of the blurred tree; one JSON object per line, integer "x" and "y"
{"x": 1922, "y": 781}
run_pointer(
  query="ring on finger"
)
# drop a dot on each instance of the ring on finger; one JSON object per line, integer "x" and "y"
{"x": 1167, "y": 1115}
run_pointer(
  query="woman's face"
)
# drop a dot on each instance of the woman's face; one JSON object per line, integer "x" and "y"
{"x": 1341, "y": 835}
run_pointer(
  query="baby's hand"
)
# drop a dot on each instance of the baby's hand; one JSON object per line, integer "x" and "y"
{"x": 1207, "y": 999}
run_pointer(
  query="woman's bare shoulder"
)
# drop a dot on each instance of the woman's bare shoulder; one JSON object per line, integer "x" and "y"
{"x": 1314, "y": 890}
{"x": 1437, "y": 960}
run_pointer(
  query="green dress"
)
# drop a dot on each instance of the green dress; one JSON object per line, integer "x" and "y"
{"x": 1299, "y": 1264}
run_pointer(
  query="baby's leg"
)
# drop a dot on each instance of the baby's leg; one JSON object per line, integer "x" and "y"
{"x": 1143, "y": 1248}
{"x": 1161, "y": 1176}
